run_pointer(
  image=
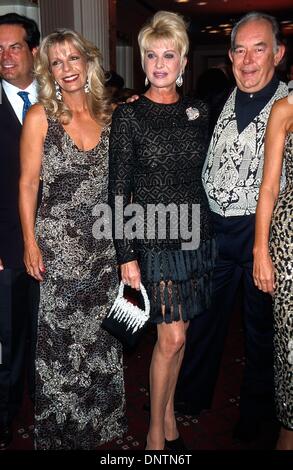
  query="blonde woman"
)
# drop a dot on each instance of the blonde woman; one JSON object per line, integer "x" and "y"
{"x": 157, "y": 149}
{"x": 273, "y": 262}
{"x": 79, "y": 391}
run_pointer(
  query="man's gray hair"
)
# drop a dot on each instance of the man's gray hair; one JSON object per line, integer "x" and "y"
{"x": 256, "y": 16}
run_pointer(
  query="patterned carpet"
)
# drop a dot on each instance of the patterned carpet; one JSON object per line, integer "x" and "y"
{"x": 212, "y": 430}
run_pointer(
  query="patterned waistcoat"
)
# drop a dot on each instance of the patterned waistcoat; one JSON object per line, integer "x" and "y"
{"x": 233, "y": 168}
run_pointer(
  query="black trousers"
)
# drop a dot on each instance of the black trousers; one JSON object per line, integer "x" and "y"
{"x": 206, "y": 334}
{"x": 19, "y": 299}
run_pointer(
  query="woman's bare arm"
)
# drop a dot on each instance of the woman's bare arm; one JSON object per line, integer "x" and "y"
{"x": 31, "y": 149}
{"x": 277, "y": 129}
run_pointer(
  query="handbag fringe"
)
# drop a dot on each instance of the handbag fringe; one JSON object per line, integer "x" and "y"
{"x": 131, "y": 315}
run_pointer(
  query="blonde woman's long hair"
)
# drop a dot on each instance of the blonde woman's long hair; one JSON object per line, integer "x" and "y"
{"x": 98, "y": 103}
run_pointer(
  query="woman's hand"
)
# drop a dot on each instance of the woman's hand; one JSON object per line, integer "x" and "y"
{"x": 33, "y": 261}
{"x": 263, "y": 272}
{"x": 130, "y": 274}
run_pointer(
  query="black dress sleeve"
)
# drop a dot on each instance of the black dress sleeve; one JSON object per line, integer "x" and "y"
{"x": 121, "y": 176}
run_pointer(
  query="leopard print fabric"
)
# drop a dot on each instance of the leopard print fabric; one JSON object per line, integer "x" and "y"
{"x": 282, "y": 255}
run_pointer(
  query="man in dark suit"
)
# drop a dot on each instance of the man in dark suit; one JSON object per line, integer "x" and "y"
{"x": 19, "y": 39}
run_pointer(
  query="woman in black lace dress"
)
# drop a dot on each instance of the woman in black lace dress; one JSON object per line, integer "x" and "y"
{"x": 157, "y": 148}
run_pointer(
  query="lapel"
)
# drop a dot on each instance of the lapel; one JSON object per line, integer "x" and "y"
{"x": 8, "y": 111}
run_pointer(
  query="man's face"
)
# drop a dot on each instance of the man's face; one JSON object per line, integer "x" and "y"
{"x": 254, "y": 59}
{"x": 16, "y": 59}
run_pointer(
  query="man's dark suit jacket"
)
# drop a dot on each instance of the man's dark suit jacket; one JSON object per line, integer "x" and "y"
{"x": 11, "y": 244}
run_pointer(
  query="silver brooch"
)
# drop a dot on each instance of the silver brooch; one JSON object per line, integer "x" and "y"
{"x": 192, "y": 113}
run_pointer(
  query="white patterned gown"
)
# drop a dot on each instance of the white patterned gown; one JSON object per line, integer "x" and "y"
{"x": 80, "y": 401}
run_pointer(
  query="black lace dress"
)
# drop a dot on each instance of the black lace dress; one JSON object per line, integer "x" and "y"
{"x": 156, "y": 157}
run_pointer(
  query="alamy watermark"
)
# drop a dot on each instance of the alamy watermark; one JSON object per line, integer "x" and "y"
{"x": 154, "y": 221}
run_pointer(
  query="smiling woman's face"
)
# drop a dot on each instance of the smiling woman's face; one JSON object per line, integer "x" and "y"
{"x": 68, "y": 66}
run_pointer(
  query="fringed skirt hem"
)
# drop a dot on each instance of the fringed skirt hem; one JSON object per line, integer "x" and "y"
{"x": 179, "y": 282}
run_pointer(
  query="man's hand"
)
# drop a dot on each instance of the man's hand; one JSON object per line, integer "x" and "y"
{"x": 1, "y": 265}
{"x": 132, "y": 98}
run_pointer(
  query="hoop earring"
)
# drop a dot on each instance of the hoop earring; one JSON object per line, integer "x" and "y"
{"x": 179, "y": 80}
{"x": 146, "y": 82}
{"x": 58, "y": 91}
{"x": 86, "y": 86}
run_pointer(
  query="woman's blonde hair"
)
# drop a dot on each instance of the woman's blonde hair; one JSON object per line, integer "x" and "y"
{"x": 164, "y": 25}
{"x": 98, "y": 103}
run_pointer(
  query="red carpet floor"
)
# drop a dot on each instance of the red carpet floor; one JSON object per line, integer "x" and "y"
{"x": 212, "y": 430}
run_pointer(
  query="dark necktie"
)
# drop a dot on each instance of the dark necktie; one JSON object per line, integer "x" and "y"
{"x": 26, "y": 102}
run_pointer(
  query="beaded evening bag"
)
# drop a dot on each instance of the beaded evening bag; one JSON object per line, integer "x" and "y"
{"x": 125, "y": 320}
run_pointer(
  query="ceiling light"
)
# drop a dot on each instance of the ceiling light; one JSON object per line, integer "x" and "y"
{"x": 224, "y": 25}
{"x": 181, "y": 1}
{"x": 213, "y": 31}
{"x": 201, "y": 4}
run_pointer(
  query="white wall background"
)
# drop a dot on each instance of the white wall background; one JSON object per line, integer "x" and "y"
{"x": 21, "y": 7}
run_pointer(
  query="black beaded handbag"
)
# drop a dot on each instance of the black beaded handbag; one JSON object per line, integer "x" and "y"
{"x": 125, "y": 320}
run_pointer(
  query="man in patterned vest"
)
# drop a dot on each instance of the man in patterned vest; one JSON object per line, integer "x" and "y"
{"x": 232, "y": 175}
